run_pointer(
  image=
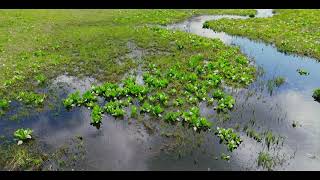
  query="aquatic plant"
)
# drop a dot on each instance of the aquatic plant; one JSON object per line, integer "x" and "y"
{"x": 225, "y": 157}
{"x": 218, "y": 94}
{"x": 225, "y": 103}
{"x": 205, "y": 25}
{"x": 213, "y": 80}
{"x": 96, "y": 115}
{"x": 41, "y": 79}
{"x": 195, "y": 60}
{"x": 316, "y": 94}
{"x": 154, "y": 81}
{"x": 157, "y": 110}
{"x": 4, "y": 104}
{"x": 31, "y": 98}
{"x": 115, "y": 108}
{"x": 303, "y": 72}
{"x": 253, "y": 134}
{"x": 265, "y": 160}
{"x": 146, "y": 107}
{"x": 228, "y": 137}
{"x": 88, "y": 99}
{"x": 178, "y": 102}
{"x": 22, "y": 135}
{"x": 276, "y": 82}
{"x": 131, "y": 88}
{"x": 279, "y": 81}
{"x": 160, "y": 97}
{"x": 73, "y": 99}
{"x": 193, "y": 119}
{"x": 134, "y": 111}
{"x": 270, "y": 139}
{"x": 172, "y": 117}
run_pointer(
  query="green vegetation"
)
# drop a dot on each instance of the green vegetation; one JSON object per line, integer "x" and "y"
{"x": 172, "y": 117}
{"x": 225, "y": 157}
{"x": 303, "y": 72}
{"x": 265, "y": 160}
{"x": 96, "y": 115}
{"x": 291, "y": 30}
{"x": 23, "y": 135}
{"x": 31, "y": 98}
{"x": 134, "y": 111}
{"x": 179, "y": 69}
{"x": 316, "y": 94}
{"x": 42, "y": 44}
{"x": 20, "y": 157}
{"x": 41, "y": 79}
{"x": 4, "y": 104}
{"x": 231, "y": 139}
{"x": 271, "y": 139}
{"x": 252, "y": 133}
{"x": 276, "y": 82}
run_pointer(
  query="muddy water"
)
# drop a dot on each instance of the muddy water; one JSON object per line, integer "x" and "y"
{"x": 126, "y": 144}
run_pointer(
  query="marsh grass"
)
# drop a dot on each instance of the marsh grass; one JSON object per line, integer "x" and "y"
{"x": 265, "y": 160}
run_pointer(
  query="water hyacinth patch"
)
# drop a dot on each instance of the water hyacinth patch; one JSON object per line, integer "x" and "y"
{"x": 218, "y": 94}
{"x": 115, "y": 108}
{"x": 31, "y": 98}
{"x": 4, "y": 104}
{"x": 134, "y": 111}
{"x": 172, "y": 117}
{"x": 74, "y": 99}
{"x": 316, "y": 94}
{"x": 225, "y": 103}
{"x": 153, "y": 81}
{"x": 41, "y": 79}
{"x": 228, "y": 137}
{"x": 193, "y": 119}
{"x": 23, "y": 135}
{"x": 159, "y": 97}
{"x": 178, "y": 102}
{"x": 146, "y": 107}
{"x": 96, "y": 115}
{"x": 157, "y": 110}
{"x": 131, "y": 88}
{"x": 188, "y": 83}
{"x": 88, "y": 99}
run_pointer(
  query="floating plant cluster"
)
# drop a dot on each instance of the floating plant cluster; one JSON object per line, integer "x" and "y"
{"x": 172, "y": 94}
{"x": 23, "y": 135}
{"x": 228, "y": 137}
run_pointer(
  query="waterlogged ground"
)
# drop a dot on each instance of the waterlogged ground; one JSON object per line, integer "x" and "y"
{"x": 65, "y": 140}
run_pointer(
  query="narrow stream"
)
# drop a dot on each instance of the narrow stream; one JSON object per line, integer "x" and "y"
{"x": 127, "y": 145}
{"x": 291, "y": 102}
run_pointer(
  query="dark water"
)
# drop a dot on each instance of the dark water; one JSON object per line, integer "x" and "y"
{"x": 129, "y": 145}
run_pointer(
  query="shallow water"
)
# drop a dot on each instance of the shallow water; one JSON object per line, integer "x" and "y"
{"x": 128, "y": 145}
{"x": 291, "y": 102}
